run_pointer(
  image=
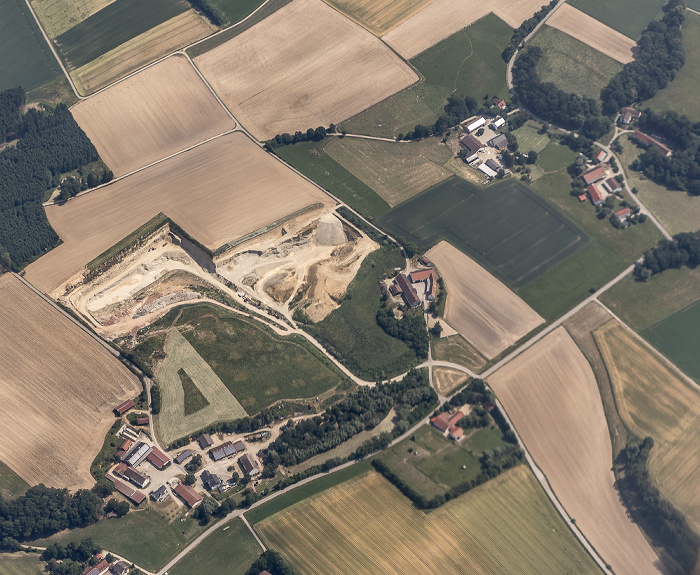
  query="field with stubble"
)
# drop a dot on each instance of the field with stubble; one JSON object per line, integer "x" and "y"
{"x": 379, "y": 16}
{"x": 58, "y": 387}
{"x": 654, "y": 399}
{"x": 366, "y": 526}
{"x": 480, "y": 307}
{"x": 304, "y": 66}
{"x": 552, "y": 398}
{"x": 216, "y": 192}
{"x": 590, "y": 31}
{"x": 442, "y": 18}
{"x": 151, "y": 115}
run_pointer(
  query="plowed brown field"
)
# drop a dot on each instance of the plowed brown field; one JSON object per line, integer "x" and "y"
{"x": 488, "y": 314}
{"x": 590, "y": 31}
{"x": 217, "y": 192}
{"x": 58, "y": 387}
{"x": 151, "y": 115}
{"x": 552, "y": 398}
{"x": 305, "y": 66}
{"x": 442, "y": 18}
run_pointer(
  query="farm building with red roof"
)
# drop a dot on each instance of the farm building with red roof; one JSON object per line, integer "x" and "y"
{"x": 596, "y": 197}
{"x": 157, "y": 458}
{"x": 124, "y": 406}
{"x": 135, "y": 496}
{"x": 442, "y": 421}
{"x": 646, "y": 140}
{"x": 409, "y": 293}
{"x": 188, "y": 495}
{"x": 594, "y": 175}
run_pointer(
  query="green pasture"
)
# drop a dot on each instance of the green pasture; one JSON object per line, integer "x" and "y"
{"x": 529, "y": 138}
{"x": 26, "y": 60}
{"x": 629, "y": 17}
{"x": 505, "y": 227}
{"x": 11, "y": 484}
{"x": 147, "y": 537}
{"x": 677, "y": 338}
{"x": 257, "y": 366}
{"x": 555, "y": 157}
{"x": 114, "y": 25}
{"x": 236, "y": 10}
{"x": 468, "y": 63}
{"x": 21, "y": 564}
{"x": 351, "y": 333}
{"x": 312, "y": 161}
{"x": 608, "y": 251}
{"x": 231, "y": 550}
{"x": 572, "y": 65}
{"x": 681, "y": 95}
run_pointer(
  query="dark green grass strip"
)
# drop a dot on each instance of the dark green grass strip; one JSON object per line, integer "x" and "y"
{"x": 194, "y": 400}
{"x": 25, "y": 58}
{"x": 114, "y": 25}
{"x": 307, "y": 490}
{"x": 236, "y": 10}
{"x": 677, "y": 338}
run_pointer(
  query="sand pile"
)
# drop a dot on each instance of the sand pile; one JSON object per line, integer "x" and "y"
{"x": 330, "y": 231}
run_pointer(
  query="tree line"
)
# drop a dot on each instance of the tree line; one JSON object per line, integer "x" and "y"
{"x": 412, "y": 399}
{"x": 273, "y": 563}
{"x": 680, "y": 171}
{"x": 211, "y": 12}
{"x": 410, "y": 329}
{"x": 521, "y": 32}
{"x": 50, "y": 143}
{"x": 682, "y": 250}
{"x": 311, "y": 135}
{"x": 664, "y": 524}
{"x": 658, "y": 57}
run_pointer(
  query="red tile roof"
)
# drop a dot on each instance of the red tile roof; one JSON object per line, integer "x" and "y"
{"x": 124, "y": 406}
{"x": 420, "y": 275}
{"x": 409, "y": 292}
{"x": 597, "y": 173}
{"x": 623, "y": 213}
{"x": 596, "y": 196}
{"x": 442, "y": 421}
{"x": 649, "y": 141}
{"x": 120, "y": 469}
{"x": 157, "y": 458}
{"x": 456, "y": 432}
{"x": 582, "y": 197}
{"x": 97, "y": 568}
{"x": 142, "y": 421}
{"x": 188, "y": 495}
{"x": 455, "y": 418}
{"x": 127, "y": 491}
{"x": 126, "y": 445}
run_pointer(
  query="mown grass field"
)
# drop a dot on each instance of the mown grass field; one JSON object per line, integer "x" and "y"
{"x": 458, "y": 350}
{"x": 467, "y": 63}
{"x": 628, "y": 17}
{"x": 236, "y": 10}
{"x": 366, "y": 526}
{"x": 257, "y": 366}
{"x": 21, "y": 564}
{"x": 554, "y": 157}
{"x": 229, "y": 552}
{"x": 397, "y": 171}
{"x": 644, "y": 304}
{"x": 147, "y": 537}
{"x": 312, "y": 161}
{"x": 114, "y": 25}
{"x": 676, "y": 210}
{"x": 506, "y": 228}
{"x": 432, "y": 464}
{"x": 681, "y": 94}
{"x": 572, "y": 65}
{"x": 653, "y": 399}
{"x": 529, "y": 138}
{"x": 11, "y": 484}
{"x": 608, "y": 252}
{"x": 351, "y": 331}
{"x": 26, "y": 59}
{"x": 677, "y": 338}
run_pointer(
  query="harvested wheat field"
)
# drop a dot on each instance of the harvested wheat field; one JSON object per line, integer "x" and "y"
{"x": 151, "y": 115}
{"x": 379, "y": 16}
{"x": 447, "y": 380}
{"x": 442, "y": 18}
{"x": 163, "y": 39}
{"x": 590, "y": 31}
{"x": 304, "y": 66}
{"x": 654, "y": 399}
{"x": 367, "y": 526}
{"x": 58, "y": 387}
{"x": 172, "y": 423}
{"x": 552, "y": 398}
{"x": 216, "y": 192}
{"x": 57, "y": 16}
{"x": 484, "y": 310}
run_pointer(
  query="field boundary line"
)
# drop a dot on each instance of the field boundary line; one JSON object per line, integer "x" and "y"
{"x": 213, "y": 93}
{"x": 250, "y": 528}
{"x": 689, "y": 380}
{"x": 136, "y": 171}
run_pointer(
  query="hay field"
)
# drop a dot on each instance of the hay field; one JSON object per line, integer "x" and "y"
{"x": 57, "y": 16}
{"x": 160, "y": 40}
{"x": 155, "y": 113}
{"x": 442, "y": 18}
{"x": 488, "y": 314}
{"x": 57, "y": 390}
{"x": 590, "y": 31}
{"x": 551, "y": 396}
{"x": 653, "y": 399}
{"x": 217, "y": 192}
{"x": 447, "y": 380}
{"x": 379, "y": 16}
{"x": 304, "y": 66}
{"x": 396, "y": 171}
{"x": 366, "y": 526}
{"x": 172, "y": 422}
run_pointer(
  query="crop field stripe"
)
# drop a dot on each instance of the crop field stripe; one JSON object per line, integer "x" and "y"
{"x": 628, "y": 17}
{"x": 114, "y": 25}
{"x": 27, "y": 60}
